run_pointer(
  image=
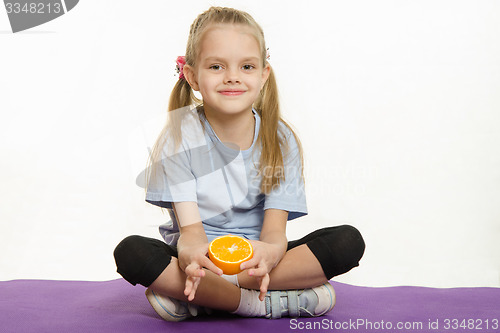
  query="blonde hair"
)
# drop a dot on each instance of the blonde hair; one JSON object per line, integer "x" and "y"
{"x": 271, "y": 137}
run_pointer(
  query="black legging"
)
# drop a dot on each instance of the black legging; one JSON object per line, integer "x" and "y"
{"x": 338, "y": 250}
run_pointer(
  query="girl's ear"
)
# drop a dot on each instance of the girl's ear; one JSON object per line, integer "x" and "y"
{"x": 190, "y": 76}
{"x": 265, "y": 74}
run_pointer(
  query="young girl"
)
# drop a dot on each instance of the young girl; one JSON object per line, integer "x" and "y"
{"x": 229, "y": 164}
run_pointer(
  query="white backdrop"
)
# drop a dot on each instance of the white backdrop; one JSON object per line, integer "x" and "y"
{"x": 397, "y": 104}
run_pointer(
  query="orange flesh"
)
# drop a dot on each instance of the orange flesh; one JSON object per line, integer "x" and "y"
{"x": 236, "y": 251}
{"x": 228, "y": 252}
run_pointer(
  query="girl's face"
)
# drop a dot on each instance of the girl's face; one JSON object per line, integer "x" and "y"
{"x": 229, "y": 73}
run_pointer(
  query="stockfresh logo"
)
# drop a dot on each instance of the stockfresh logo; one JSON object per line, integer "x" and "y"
{"x": 28, "y": 14}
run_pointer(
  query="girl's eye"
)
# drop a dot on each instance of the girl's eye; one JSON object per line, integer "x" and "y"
{"x": 216, "y": 67}
{"x": 248, "y": 67}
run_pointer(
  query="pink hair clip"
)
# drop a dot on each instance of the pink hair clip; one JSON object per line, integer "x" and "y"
{"x": 268, "y": 55}
{"x": 181, "y": 61}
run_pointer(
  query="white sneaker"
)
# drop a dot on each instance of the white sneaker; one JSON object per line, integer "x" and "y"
{"x": 170, "y": 308}
{"x": 300, "y": 303}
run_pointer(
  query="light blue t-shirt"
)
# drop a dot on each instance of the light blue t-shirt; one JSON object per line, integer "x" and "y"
{"x": 223, "y": 180}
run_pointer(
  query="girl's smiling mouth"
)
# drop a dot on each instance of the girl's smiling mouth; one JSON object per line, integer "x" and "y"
{"x": 231, "y": 92}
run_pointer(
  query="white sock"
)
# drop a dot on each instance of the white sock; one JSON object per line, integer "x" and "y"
{"x": 231, "y": 278}
{"x": 250, "y": 304}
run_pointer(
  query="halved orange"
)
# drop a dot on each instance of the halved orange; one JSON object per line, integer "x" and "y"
{"x": 228, "y": 252}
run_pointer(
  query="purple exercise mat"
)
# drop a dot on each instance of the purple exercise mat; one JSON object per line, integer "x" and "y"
{"x": 116, "y": 306}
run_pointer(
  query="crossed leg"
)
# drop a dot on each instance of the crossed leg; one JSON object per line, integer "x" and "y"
{"x": 309, "y": 262}
{"x": 298, "y": 269}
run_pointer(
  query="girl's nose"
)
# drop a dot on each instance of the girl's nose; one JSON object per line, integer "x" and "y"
{"x": 232, "y": 75}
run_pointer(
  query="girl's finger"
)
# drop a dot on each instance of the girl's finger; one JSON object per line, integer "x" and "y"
{"x": 195, "y": 283}
{"x": 194, "y": 270}
{"x": 264, "y": 284}
{"x": 258, "y": 272}
{"x": 188, "y": 286}
{"x": 249, "y": 263}
{"x": 208, "y": 264}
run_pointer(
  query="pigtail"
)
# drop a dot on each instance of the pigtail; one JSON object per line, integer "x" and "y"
{"x": 182, "y": 95}
{"x": 272, "y": 139}
{"x": 271, "y": 159}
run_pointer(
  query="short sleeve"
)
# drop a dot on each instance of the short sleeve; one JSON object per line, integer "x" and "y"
{"x": 171, "y": 181}
{"x": 172, "y": 178}
{"x": 290, "y": 194}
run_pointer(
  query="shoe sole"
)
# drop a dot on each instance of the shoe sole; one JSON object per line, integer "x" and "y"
{"x": 160, "y": 309}
{"x": 329, "y": 305}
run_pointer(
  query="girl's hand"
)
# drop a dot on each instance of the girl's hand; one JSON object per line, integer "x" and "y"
{"x": 267, "y": 252}
{"x": 192, "y": 260}
{"x": 265, "y": 257}
{"x": 192, "y": 247}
